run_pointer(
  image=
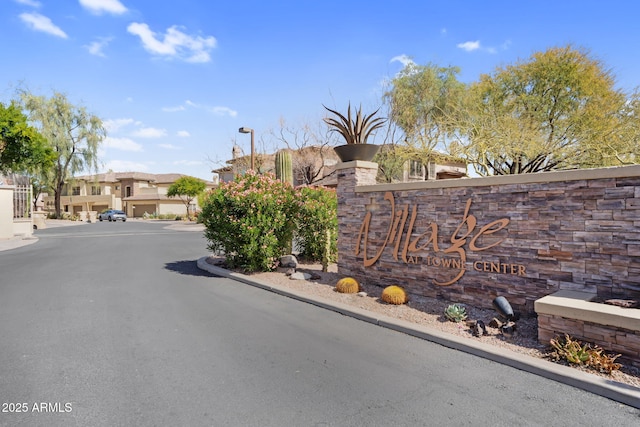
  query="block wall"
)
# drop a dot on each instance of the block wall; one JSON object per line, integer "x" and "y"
{"x": 470, "y": 240}
{"x": 613, "y": 340}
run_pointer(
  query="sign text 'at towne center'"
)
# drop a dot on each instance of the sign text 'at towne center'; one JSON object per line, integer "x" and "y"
{"x": 411, "y": 245}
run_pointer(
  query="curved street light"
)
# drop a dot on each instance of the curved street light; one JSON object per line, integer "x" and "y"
{"x": 249, "y": 130}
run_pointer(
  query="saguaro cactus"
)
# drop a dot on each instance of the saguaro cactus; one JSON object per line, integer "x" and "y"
{"x": 284, "y": 167}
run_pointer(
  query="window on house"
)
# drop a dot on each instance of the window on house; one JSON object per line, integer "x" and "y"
{"x": 117, "y": 187}
{"x": 416, "y": 169}
{"x": 75, "y": 191}
{"x": 127, "y": 191}
{"x": 95, "y": 190}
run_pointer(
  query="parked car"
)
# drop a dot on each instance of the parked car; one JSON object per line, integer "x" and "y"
{"x": 112, "y": 215}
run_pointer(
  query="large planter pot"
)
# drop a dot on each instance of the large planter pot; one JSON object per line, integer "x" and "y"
{"x": 351, "y": 152}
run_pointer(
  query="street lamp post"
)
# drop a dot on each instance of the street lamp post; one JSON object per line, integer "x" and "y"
{"x": 249, "y": 130}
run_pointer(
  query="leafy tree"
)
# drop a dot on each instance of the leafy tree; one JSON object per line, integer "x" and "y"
{"x": 425, "y": 103}
{"x": 187, "y": 188}
{"x": 22, "y": 148}
{"x": 558, "y": 110}
{"x": 73, "y": 134}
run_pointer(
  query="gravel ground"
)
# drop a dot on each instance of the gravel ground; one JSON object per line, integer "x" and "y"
{"x": 424, "y": 311}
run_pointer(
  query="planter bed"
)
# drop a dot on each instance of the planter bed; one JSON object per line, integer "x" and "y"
{"x": 615, "y": 329}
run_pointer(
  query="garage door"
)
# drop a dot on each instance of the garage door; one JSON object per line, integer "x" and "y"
{"x": 140, "y": 210}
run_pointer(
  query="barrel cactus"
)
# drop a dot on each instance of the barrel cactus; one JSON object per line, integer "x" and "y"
{"x": 347, "y": 285}
{"x": 394, "y": 295}
{"x": 284, "y": 166}
{"x": 455, "y": 313}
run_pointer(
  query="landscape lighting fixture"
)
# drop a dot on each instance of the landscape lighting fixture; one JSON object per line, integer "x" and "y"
{"x": 249, "y": 130}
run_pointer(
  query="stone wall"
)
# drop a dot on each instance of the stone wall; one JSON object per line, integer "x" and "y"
{"x": 470, "y": 240}
{"x": 615, "y": 329}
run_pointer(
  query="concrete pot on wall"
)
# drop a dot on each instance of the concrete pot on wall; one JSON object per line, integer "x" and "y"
{"x": 351, "y": 152}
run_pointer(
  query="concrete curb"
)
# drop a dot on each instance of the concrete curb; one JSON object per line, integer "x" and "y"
{"x": 592, "y": 383}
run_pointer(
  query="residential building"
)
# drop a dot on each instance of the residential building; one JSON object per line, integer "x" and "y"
{"x": 310, "y": 164}
{"x": 136, "y": 193}
{"x": 316, "y": 165}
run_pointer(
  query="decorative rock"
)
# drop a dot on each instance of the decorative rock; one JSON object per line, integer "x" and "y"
{"x": 315, "y": 276}
{"x": 508, "y": 329}
{"x": 288, "y": 271}
{"x": 496, "y": 323}
{"x": 362, "y": 294}
{"x": 300, "y": 276}
{"x": 289, "y": 261}
{"x": 479, "y": 329}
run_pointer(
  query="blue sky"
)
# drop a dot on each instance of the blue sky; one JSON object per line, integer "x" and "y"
{"x": 174, "y": 80}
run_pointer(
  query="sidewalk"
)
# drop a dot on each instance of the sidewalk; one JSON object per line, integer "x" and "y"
{"x": 19, "y": 241}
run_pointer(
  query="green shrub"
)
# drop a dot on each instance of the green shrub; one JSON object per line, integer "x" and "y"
{"x": 251, "y": 220}
{"x": 317, "y": 222}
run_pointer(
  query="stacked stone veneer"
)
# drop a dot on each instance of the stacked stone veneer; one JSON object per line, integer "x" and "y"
{"x": 572, "y": 230}
{"x": 615, "y": 329}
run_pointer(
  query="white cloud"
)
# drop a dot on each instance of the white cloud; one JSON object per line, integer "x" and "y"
{"x": 174, "y": 43}
{"x": 39, "y": 22}
{"x": 475, "y": 45}
{"x": 95, "y": 48}
{"x": 124, "y": 144}
{"x": 170, "y": 146}
{"x": 100, "y": 6}
{"x": 469, "y": 46}
{"x": 125, "y": 166}
{"x": 173, "y": 109}
{"x": 223, "y": 111}
{"x": 183, "y": 134}
{"x": 116, "y": 124}
{"x": 217, "y": 110}
{"x": 403, "y": 59}
{"x": 150, "y": 133}
{"x": 32, "y": 3}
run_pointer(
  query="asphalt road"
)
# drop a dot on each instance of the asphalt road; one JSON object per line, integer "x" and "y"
{"x": 112, "y": 324}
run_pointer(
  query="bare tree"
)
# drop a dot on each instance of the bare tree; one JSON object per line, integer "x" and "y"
{"x": 310, "y": 145}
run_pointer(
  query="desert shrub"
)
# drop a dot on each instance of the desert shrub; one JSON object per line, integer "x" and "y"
{"x": 576, "y": 353}
{"x": 251, "y": 220}
{"x": 317, "y": 225}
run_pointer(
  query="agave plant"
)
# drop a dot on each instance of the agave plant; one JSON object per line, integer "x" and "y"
{"x": 354, "y": 130}
{"x": 455, "y": 313}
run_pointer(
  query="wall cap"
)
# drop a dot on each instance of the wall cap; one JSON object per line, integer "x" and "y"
{"x": 632, "y": 171}
{"x": 578, "y": 305}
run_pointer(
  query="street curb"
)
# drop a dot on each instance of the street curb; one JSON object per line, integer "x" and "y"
{"x": 564, "y": 374}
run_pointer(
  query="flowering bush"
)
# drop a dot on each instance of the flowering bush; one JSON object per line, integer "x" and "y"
{"x": 251, "y": 220}
{"x": 318, "y": 224}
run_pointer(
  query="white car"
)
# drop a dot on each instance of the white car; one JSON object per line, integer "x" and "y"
{"x": 112, "y": 215}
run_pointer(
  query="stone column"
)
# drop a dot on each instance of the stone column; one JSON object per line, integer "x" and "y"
{"x": 351, "y": 209}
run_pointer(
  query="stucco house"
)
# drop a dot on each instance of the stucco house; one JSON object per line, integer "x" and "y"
{"x": 316, "y": 165}
{"x": 136, "y": 193}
